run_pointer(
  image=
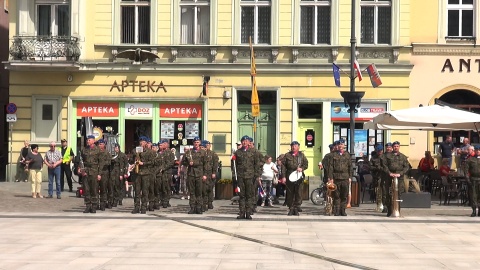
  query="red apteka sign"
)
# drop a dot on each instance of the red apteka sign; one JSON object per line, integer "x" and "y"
{"x": 181, "y": 110}
{"x": 99, "y": 109}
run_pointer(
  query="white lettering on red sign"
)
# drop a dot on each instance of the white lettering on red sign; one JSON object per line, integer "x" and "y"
{"x": 372, "y": 110}
{"x": 184, "y": 111}
{"x": 96, "y": 109}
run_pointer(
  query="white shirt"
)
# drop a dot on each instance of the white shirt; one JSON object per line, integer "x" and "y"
{"x": 269, "y": 171}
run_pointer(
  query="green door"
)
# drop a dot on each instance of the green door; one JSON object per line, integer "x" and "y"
{"x": 314, "y": 153}
{"x": 266, "y": 128}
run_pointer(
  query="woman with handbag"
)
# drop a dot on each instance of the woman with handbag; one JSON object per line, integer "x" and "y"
{"x": 268, "y": 176}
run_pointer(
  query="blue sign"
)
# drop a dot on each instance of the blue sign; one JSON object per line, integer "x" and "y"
{"x": 11, "y": 108}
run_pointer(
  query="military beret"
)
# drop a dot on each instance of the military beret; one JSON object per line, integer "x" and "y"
{"x": 331, "y": 146}
{"x": 101, "y": 141}
{"x": 336, "y": 142}
{"x": 142, "y": 138}
{"x": 154, "y": 144}
{"x": 341, "y": 141}
{"x": 163, "y": 141}
{"x": 477, "y": 147}
{"x": 250, "y": 139}
{"x": 395, "y": 142}
{"x": 244, "y": 138}
{"x": 90, "y": 137}
{"x": 207, "y": 142}
{"x": 294, "y": 142}
{"x": 388, "y": 144}
{"x": 379, "y": 147}
{"x": 203, "y": 144}
{"x": 196, "y": 139}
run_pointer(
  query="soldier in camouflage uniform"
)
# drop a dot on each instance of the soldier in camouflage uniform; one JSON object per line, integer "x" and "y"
{"x": 256, "y": 184}
{"x": 90, "y": 174}
{"x": 106, "y": 187}
{"x": 168, "y": 161}
{"x": 119, "y": 170}
{"x": 211, "y": 173}
{"x": 324, "y": 166}
{"x": 395, "y": 165}
{"x": 340, "y": 173}
{"x": 294, "y": 160}
{"x": 473, "y": 178}
{"x": 194, "y": 159}
{"x": 376, "y": 169}
{"x": 249, "y": 171}
{"x": 143, "y": 180}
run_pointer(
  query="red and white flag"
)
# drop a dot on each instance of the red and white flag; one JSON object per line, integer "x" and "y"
{"x": 357, "y": 68}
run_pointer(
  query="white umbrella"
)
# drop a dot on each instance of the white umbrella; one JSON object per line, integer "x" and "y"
{"x": 435, "y": 117}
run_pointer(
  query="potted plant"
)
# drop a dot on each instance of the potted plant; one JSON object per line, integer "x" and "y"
{"x": 224, "y": 189}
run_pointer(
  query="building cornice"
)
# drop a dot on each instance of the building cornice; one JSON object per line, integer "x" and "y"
{"x": 445, "y": 49}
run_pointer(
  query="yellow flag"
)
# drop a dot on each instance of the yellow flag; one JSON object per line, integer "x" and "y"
{"x": 253, "y": 72}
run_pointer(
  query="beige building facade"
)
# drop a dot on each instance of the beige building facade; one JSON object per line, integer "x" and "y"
{"x": 195, "y": 78}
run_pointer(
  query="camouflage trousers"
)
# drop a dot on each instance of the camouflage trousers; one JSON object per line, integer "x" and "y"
{"x": 294, "y": 198}
{"x": 195, "y": 187}
{"x": 341, "y": 194}
{"x": 152, "y": 190}
{"x": 207, "y": 190}
{"x": 380, "y": 192}
{"x": 142, "y": 188}
{"x": 475, "y": 192}
{"x": 104, "y": 186}
{"x": 90, "y": 190}
{"x": 246, "y": 194}
{"x": 165, "y": 188}
{"x": 116, "y": 186}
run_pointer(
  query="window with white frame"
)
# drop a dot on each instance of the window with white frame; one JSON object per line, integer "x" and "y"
{"x": 135, "y": 21}
{"x": 460, "y": 18}
{"x": 376, "y": 21}
{"x": 315, "y": 21}
{"x": 195, "y": 22}
{"x": 53, "y": 17}
{"x": 256, "y": 21}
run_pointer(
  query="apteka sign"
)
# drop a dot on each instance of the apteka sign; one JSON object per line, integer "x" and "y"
{"x": 138, "y": 86}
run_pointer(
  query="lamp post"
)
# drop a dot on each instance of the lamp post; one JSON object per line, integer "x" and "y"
{"x": 352, "y": 98}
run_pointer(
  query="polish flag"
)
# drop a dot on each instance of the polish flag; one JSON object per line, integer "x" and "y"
{"x": 357, "y": 68}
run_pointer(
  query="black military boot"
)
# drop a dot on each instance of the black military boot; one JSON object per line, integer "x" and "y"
{"x": 168, "y": 204}
{"x": 204, "y": 208}
{"x": 88, "y": 208}
{"x": 248, "y": 215}
{"x": 102, "y": 206}
{"x": 150, "y": 207}
{"x": 109, "y": 205}
{"x": 198, "y": 210}
{"x": 120, "y": 202}
{"x": 299, "y": 209}
{"x": 192, "y": 210}
{"x": 115, "y": 203}
{"x": 295, "y": 212}
{"x": 210, "y": 205}
{"x": 143, "y": 210}
{"x": 291, "y": 212}
{"x": 164, "y": 204}
{"x": 336, "y": 211}
{"x": 389, "y": 211}
{"x": 241, "y": 215}
{"x": 474, "y": 212}
{"x": 156, "y": 206}
{"x": 93, "y": 210}
{"x": 342, "y": 212}
{"x": 136, "y": 210}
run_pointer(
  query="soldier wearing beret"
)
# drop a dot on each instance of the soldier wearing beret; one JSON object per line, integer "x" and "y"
{"x": 256, "y": 184}
{"x": 117, "y": 176}
{"x": 211, "y": 173}
{"x": 106, "y": 187}
{"x": 249, "y": 170}
{"x": 340, "y": 172}
{"x": 90, "y": 174}
{"x": 294, "y": 161}
{"x": 194, "y": 160}
{"x": 378, "y": 174}
{"x": 142, "y": 182}
{"x": 395, "y": 166}
{"x": 473, "y": 178}
{"x": 168, "y": 159}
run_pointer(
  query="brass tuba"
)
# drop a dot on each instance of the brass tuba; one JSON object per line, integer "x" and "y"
{"x": 395, "y": 199}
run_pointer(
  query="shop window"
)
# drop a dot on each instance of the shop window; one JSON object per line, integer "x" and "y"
{"x": 180, "y": 133}
{"x": 376, "y": 21}
{"x": 46, "y": 118}
{"x": 195, "y": 21}
{"x": 310, "y": 111}
{"x": 135, "y": 21}
{"x": 365, "y": 140}
{"x": 255, "y": 21}
{"x": 315, "y": 21}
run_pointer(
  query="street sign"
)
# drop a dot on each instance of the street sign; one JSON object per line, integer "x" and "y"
{"x": 12, "y": 117}
{"x": 11, "y": 108}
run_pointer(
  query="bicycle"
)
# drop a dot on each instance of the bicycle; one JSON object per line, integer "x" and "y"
{"x": 318, "y": 195}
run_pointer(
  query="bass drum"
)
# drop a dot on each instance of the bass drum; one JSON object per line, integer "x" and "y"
{"x": 318, "y": 195}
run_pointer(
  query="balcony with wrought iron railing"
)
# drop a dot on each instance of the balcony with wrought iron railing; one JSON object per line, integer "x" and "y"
{"x": 45, "y": 48}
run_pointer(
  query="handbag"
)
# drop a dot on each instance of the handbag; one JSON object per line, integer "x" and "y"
{"x": 275, "y": 179}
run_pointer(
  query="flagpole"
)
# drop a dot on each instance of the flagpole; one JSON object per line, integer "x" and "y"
{"x": 254, "y": 97}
